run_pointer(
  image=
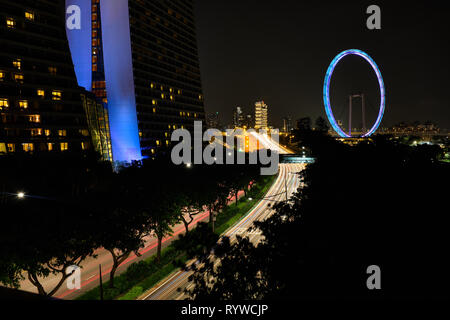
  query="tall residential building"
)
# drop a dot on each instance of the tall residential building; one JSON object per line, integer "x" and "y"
{"x": 40, "y": 104}
{"x": 140, "y": 59}
{"x": 261, "y": 115}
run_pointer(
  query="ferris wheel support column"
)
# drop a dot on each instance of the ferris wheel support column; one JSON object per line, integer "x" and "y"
{"x": 364, "y": 129}
{"x": 350, "y": 110}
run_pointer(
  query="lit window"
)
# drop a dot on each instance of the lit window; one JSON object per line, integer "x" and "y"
{"x": 157, "y": 142}
{"x": 188, "y": 114}
{"x": 154, "y": 110}
{"x": 166, "y": 134}
{"x": 2, "y": 75}
{"x": 181, "y": 114}
{"x": 10, "y": 23}
{"x": 36, "y": 132}
{"x": 11, "y": 147}
{"x": 171, "y": 90}
{"x": 154, "y": 102}
{"x": 162, "y": 88}
{"x": 4, "y": 103}
{"x": 35, "y": 118}
{"x": 152, "y": 85}
{"x": 84, "y": 132}
{"x": 50, "y": 146}
{"x": 62, "y": 133}
{"x": 153, "y": 151}
{"x": 174, "y": 127}
{"x": 17, "y": 64}
{"x": 47, "y": 132}
{"x": 179, "y": 91}
{"x": 84, "y": 146}
{"x": 163, "y": 95}
{"x": 41, "y": 93}
{"x": 167, "y": 142}
{"x": 64, "y": 146}
{"x": 53, "y": 70}
{"x": 29, "y": 15}
{"x": 140, "y": 134}
{"x": 200, "y": 97}
{"x": 195, "y": 115}
{"x": 19, "y": 78}
{"x": 56, "y": 95}
{"x": 172, "y": 98}
{"x": 27, "y": 147}
{"x": 23, "y": 104}
{"x": 2, "y": 148}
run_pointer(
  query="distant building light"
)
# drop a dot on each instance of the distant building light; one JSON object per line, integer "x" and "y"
{"x": 29, "y": 15}
{"x": 10, "y": 23}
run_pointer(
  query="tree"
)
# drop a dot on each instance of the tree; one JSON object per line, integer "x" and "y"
{"x": 304, "y": 124}
{"x": 198, "y": 242}
{"x": 163, "y": 218}
{"x": 54, "y": 237}
{"x": 50, "y": 229}
{"x": 121, "y": 233}
{"x": 321, "y": 125}
{"x": 192, "y": 202}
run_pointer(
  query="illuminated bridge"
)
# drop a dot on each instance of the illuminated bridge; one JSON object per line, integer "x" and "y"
{"x": 295, "y": 158}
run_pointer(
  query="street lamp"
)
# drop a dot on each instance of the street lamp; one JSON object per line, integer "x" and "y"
{"x": 21, "y": 195}
{"x": 188, "y": 165}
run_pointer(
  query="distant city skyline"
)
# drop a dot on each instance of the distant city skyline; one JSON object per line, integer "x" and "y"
{"x": 279, "y": 52}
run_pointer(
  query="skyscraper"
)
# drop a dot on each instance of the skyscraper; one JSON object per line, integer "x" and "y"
{"x": 261, "y": 115}
{"x": 238, "y": 117}
{"x": 287, "y": 124}
{"x": 40, "y": 104}
{"x": 140, "y": 58}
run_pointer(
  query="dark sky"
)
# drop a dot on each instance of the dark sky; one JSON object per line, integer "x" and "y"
{"x": 279, "y": 51}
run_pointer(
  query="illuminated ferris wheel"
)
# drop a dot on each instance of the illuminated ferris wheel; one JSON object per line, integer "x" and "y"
{"x": 326, "y": 93}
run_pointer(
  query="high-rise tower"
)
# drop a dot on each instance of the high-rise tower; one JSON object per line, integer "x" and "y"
{"x": 40, "y": 104}
{"x": 261, "y": 115}
{"x": 140, "y": 58}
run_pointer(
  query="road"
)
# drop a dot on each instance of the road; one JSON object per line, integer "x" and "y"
{"x": 90, "y": 267}
{"x": 168, "y": 288}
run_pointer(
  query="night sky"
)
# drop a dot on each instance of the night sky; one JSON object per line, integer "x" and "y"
{"x": 279, "y": 51}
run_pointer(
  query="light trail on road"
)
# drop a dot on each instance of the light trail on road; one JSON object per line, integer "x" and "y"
{"x": 167, "y": 290}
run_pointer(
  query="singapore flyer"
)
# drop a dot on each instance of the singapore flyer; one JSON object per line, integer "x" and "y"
{"x": 326, "y": 92}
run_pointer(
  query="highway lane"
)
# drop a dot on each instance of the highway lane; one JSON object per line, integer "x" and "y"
{"x": 167, "y": 289}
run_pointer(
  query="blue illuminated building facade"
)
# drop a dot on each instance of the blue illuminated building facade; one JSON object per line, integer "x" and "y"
{"x": 140, "y": 60}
